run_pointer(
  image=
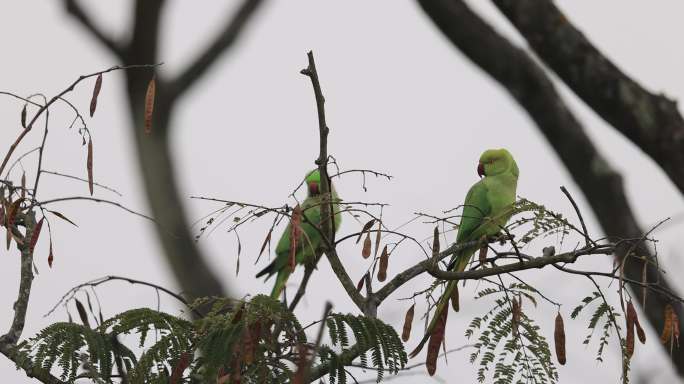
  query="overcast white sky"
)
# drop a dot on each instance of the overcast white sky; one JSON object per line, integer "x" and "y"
{"x": 400, "y": 99}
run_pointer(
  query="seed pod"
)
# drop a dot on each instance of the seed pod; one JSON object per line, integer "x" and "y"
{"x": 366, "y": 251}
{"x": 51, "y": 257}
{"x": 515, "y": 316}
{"x": 149, "y": 104}
{"x": 667, "y": 326}
{"x": 629, "y": 339}
{"x": 182, "y": 363}
{"x": 23, "y": 185}
{"x": 359, "y": 285}
{"x": 96, "y": 92}
{"x": 384, "y": 260}
{"x": 455, "y": 298}
{"x": 23, "y": 117}
{"x": 35, "y": 234}
{"x": 89, "y": 165}
{"x": 408, "y": 322}
{"x": 82, "y": 313}
{"x": 559, "y": 339}
{"x": 483, "y": 255}
{"x": 435, "y": 243}
{"x": 365, "y": 229}
{"x": 295, "y": 231}
{"x": 267, "y": 240}
{"x": 435, "y": 342}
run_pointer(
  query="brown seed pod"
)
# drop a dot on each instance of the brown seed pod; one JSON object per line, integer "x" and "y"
{"x": 435, "y": 342}
{"x": 559, "y": 339}
{"x": 483, "y": 255}
{"x": 408, "y": 322}
{"x": 149, "y": 104}
{"x": 96, "y": 92}
{"x": 365, "y": 229}
{"x": 35, "y": 234}
{"x": 515, "y": 315}
{"x": 435, "y": 243}
{"x": 23, "y": 185}
{"x": 667, "y": 326}
{"x": 366, "y": 251}
{"x": 455, "y": 298}
{"x": 82, "y": 313}
{"x": 51, "y": 256}
{"x": 23, "y": 117}
{"x": 179, "y": 368}
{"x": 267, "y": 240}
{"x": 384, "y": 260}
{"x": 631, "y": 319}
{"x": 89, "y": 165}
{"x": 359, "y": 285}
{"x": 295, "y": 231}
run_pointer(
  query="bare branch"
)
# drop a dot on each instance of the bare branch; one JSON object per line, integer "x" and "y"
{"x": 75, "y": 10}
{"x": 222, "y": 43}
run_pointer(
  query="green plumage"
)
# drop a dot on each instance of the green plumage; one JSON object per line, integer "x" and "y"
{"x": 308, "y": 246}
{"x": 487, "y": 207}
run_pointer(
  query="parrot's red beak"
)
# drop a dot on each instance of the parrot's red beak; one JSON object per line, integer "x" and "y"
{"x": 313, "y": 188}
{"x": 480, "y": 170}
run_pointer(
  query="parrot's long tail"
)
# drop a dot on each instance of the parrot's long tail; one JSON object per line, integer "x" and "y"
{"x": 269, "y": 270}
{"x": 279, "y": 285}
{"x": 459, "y": 264}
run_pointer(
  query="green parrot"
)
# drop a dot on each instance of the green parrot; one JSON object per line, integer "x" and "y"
{"x": 488, "y": 206}
{"x": 308, "y": 247}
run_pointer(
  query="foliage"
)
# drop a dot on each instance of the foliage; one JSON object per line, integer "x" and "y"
{"x": 521, "y": 353}
{"x": 257, "y": 340}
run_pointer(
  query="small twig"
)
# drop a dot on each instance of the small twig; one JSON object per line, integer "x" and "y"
{"x": 94, "y": 283}
{"x": 588, "y": 239}
{"x": 110, "y": 189}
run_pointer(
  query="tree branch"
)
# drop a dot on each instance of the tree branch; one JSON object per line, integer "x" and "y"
{"x": 527, "y": 82}
{"x": 652, "y": 122}
{"x": 75, "y": 10}
{"x": 225, "y": 39}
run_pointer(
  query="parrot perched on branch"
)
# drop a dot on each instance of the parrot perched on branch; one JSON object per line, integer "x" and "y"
{"x": 487, "y": 208}
{"x": 307, "y": 244}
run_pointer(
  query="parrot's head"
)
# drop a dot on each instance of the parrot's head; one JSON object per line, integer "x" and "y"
{"x": 313, "y": 180}
{"x": 496, "y": 161}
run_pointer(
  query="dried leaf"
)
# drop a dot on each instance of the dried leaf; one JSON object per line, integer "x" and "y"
{"x": 61, "y": 216}
{"x": 96, "y": 92}
{"x": 149, "y": 104}
{"x": 455, "y": 299}
{"x": 667, "y": 326}
{"x": 366, "y": 251}
{"x": 384, "y": 260}
{"x": 51, "y": 257}
{"x": 23, "y": 117}
{"x": 435, "y": 243}
{"x": 559, "y": 339}
{"x": 629, "y": 339}
{"x": 89, "y": 165}
{"x": 295, "y": 231}
{"x": 365, "y": 229}
{"x": 435, "y": 342}
{"x": 408, "y": 322}
{"x": 180, "y": 367}
{"x": 82, "y": 313}
{"x": 35, "y": 234}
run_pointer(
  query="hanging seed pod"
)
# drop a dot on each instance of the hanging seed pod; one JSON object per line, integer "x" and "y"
{"x": 51, "y": 256}
{"x": 267, "y": 240}
{"x": 631, "y": 319}
{"x": 82, "y": 313}
{"x": 35, "y": 234}
{"x": 96, "y": 92}
{"x": 515, "y": 316}
{"x": 435, "y": 242}
{"x": 359, "y": 285}
{"x": 455, "y": 298}
{"x": 384, "y": 260}
{"x": 666, "y": 335}
{"x": 365, "y": 229}
{"x": 23, "y": 117}
{"x": 559, "y": 339}
{"x": 483, "y": 255}
{"x": 435, "y": 342}
{"x": 408, "y": 322}
{"x": 366, "y": 251}
{"x": 89, "y": 165}
{"x": 149, "y": 104}
{"x": 295, "y": 231}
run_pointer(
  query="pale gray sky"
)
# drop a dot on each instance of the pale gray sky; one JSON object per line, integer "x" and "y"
{"x": 400, "y": 99}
